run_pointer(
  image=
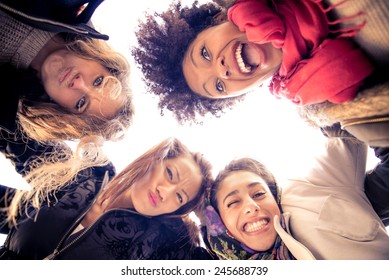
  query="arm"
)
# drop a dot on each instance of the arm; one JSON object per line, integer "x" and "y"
{"x": 21, "y": 150}
{"x": 341, "y": 163}
{"x": 6, "y": 195}
{"x": 377, "y": 184}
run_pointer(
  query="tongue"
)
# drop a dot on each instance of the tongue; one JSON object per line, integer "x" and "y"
{"x": 250, "y": 55}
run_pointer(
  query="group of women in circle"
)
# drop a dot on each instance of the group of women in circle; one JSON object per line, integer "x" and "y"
{"x": 64, "y": 82}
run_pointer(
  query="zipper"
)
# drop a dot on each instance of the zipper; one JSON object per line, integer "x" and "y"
{"x": 363, "y": 121}
{"x": 57, "y": 249}
{"x": 10, "y": 9}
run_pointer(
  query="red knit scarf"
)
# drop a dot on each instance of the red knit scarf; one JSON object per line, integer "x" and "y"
{"x": 314, "y": 67}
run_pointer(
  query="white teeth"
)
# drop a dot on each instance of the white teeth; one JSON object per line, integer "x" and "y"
{"x": 239, "y": 60}
{"x": 250, "y": 227}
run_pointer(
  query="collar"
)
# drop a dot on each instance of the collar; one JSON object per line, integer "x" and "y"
{"x": 298, "y": 250}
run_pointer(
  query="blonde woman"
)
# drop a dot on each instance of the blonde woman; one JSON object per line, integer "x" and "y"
{"x": 62, "y": 83}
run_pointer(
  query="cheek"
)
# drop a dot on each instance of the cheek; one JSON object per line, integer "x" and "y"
{"x": 62, "y": 97}
{"x": 240, "y": 87}
{"x": 229, "y": 218}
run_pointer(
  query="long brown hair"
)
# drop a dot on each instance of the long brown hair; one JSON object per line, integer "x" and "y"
{"x": 170, "y": 148}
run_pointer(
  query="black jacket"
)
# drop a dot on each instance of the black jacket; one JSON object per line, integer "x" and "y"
{"x": 55, "y": 15}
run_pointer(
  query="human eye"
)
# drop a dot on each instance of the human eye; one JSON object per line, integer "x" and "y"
{"x": 232, "y": 202}
{"x": 219, "y": 86}
{"x": 80, "y": 104}
{"x": 98, "y": 81}
{"x": 204, "y": 53}
{"x": 259, "y": 194}
{"x": 180, "y": 198}
{"x": 169, "y": 173}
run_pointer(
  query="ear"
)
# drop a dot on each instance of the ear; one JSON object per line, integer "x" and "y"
{"x": 220, "y": 17}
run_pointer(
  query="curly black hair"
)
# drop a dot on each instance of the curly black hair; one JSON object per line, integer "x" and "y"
{"x": 163, "y": 39}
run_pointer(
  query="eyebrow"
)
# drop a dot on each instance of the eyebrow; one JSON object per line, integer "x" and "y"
{"x": 186, "y": 194}
{"x": 178, "y": 177}
{"x": 207, "y": 92}
{"x": 192, "y": 58}
{"x": 195, "y": 64}
{"x": 230, "y": 194}
{"x": 251, "y": 185}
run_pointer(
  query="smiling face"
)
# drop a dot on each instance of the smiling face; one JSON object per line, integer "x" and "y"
{"x": 167, "y": 187}
{"x": 247, "y": 208}
{"x": 221, "y": 63}
{"x": 79, "y": 85}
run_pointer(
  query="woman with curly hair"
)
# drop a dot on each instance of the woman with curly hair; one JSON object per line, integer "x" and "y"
{"x": 163, "y": 40}
{"x": 219, "y": 59}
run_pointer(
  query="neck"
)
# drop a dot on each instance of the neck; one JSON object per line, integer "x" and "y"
{"x": 124, "y": 200}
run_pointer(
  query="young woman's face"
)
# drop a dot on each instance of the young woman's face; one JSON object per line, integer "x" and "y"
{"x": 170, "y": 185}
{"x": 221, "y": 63}
{"x": 75, "y": 84}
{"x": 247, "y": 208}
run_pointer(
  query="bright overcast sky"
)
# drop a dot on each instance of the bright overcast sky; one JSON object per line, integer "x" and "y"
{"x": 261, "y": 126}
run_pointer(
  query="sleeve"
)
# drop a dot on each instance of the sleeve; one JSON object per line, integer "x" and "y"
{"x": 377, "y": 184}
{"x": 6, "y": 195}
{"x": 22, "y": 150}
{"x": 341, "y": 162}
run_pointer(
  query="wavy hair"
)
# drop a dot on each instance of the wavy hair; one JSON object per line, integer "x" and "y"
{"x": 45, "y": 121}
{"x": 55, "y": 170}
{"x": 163, "y": 39}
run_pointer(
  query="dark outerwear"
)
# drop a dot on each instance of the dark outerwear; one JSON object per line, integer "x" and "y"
{"x": 55, "y": 15}
{"x": 117, "y": 234}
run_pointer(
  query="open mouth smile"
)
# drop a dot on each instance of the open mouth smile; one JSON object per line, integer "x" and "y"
{"x": 245, "y": 63}
{"x": 255, "y": 226}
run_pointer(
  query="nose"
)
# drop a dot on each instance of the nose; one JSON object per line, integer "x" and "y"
{"x": 251, "y": 207}
{"x": 77, "y": 83}
{"x": 223, "y": 69}
{"x": 164, "y": 191}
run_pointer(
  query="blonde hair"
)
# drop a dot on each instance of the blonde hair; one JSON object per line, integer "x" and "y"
{"x": 50, "y": 123}
{"x": 55, "y": 170}
{"x": 46, "y": 121}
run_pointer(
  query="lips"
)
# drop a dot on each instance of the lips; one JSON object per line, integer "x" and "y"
{"x": 65, "y": 74}
{"x": 248, "y": 57}
{"x": 154, "y": 199}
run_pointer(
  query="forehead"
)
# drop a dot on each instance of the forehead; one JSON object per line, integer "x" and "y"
{"x": 239, "y": 180}
{"x": 185, "y": 163}
{"x": 225, "y": 29}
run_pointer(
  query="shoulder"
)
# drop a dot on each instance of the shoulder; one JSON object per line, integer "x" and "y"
{"x": 142, "y": 237}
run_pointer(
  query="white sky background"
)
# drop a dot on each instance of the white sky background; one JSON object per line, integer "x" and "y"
{"x": 261, "y": 126}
